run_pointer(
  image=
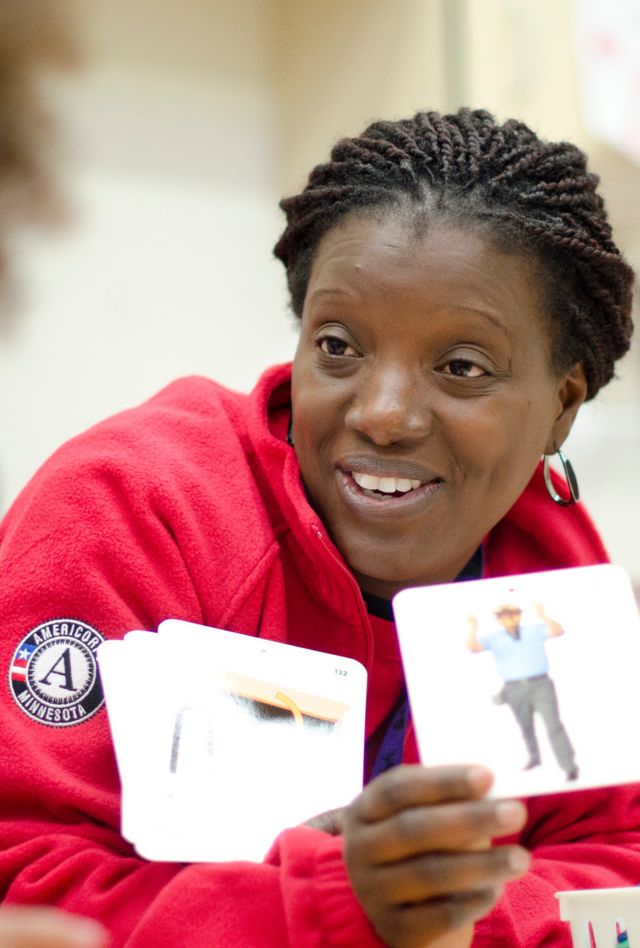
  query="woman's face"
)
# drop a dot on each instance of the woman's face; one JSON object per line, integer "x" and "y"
{"x": 423, "y": 395}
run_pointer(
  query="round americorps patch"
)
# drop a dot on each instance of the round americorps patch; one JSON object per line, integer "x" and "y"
{"x": 54, "y": 675}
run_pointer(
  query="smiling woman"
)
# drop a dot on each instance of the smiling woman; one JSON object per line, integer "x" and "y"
{"x": 423, "y": 395}
{"x": 459, "y": 297}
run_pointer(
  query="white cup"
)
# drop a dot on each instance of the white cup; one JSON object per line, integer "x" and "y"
{"x": 602, "y": 908}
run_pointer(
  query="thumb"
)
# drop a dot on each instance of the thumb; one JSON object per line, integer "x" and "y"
{"x": 328, "y": 822}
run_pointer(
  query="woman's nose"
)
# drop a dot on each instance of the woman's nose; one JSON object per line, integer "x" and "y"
{"x": 390, "y": 406}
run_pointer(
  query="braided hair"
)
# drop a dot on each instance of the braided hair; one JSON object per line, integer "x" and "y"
{"x": 526, "y": 194}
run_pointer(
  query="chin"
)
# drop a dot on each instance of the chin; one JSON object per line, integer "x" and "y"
{"x": 399, "y": 565}
{"x": 385, "y": 570}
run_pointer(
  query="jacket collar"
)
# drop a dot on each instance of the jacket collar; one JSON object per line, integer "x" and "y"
{"x": 319, "y": 562}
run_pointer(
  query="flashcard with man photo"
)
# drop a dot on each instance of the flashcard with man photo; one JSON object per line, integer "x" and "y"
{"x": 535, "y": 676}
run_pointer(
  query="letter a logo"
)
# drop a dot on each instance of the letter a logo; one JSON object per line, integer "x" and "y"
{"x": 54, "y": 674}
{"x": 65, "y": 660}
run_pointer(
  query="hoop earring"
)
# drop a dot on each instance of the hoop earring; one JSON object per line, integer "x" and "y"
{"x": 570, "y": 478}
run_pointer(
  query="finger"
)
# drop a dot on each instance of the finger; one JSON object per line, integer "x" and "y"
{"x": 415, "y": 785}
{"x": 442, "y": 874}
{"x": 328, "y": 822}
{"x": 460, "y": 937}
{"x": 414, "y": 926}
{"x": 445, "y": 827}
{"x": 39, "y": 927}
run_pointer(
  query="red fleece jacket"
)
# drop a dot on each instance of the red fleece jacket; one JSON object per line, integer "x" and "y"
{"x": 191, "y": 506}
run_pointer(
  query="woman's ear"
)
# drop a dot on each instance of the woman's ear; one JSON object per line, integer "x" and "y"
{"x": 572, "y": 391}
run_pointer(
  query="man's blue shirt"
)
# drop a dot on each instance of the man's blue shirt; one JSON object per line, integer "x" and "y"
{"x": 521, "y": 657}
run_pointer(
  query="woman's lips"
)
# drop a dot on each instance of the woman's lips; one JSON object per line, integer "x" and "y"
{"x": 366, "y": 500}
{"x": 386, "y": 468}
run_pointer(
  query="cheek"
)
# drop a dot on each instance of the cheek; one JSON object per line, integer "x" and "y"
{"x": 500, "y": 441}
{"x": 313, "y": 414}
{"x": 317, "y": 403}
{"x": 316, "y": 416}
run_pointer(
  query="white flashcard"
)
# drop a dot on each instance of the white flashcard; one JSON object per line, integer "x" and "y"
{"x": 535, "y": 676}
{"x": 230, "y": 739}
{"x": 129, "y": 670}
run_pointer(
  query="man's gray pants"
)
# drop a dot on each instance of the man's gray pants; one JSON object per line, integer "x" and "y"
{"x": 525, "y": 697}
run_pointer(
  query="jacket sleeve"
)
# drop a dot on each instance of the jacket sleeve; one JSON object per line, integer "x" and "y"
{"x": 586, "y": 839}
{"x": 85, "y": 543}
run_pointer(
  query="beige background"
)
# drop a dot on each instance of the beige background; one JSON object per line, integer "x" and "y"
{"x": 187, "y": 123}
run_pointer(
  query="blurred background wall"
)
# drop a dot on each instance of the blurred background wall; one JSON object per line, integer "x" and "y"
{"x": 187, "y": 122}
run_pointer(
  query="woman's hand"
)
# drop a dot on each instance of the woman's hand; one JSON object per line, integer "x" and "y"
{"x": 42, "y": 927}
{"x": 418, "y": 854}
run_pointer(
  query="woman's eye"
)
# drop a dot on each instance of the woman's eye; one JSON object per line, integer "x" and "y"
{"x": 464, "y": 369}
{"x": 333, "y": 346}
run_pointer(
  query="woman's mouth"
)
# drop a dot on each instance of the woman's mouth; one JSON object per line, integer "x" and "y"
{"x": 375, "y": 493}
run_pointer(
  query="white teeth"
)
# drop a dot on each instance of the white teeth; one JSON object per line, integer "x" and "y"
{"x": 366, "y": 481}
{"x": 385, "y": 485}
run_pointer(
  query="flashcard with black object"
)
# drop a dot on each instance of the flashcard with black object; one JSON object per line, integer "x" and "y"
{"x": 238, "y": 738}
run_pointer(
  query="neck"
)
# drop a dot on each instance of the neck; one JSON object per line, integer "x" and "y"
{"x": 471, "y": 564}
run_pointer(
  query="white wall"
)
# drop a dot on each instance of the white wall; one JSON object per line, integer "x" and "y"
{"x": 155, "y": 281}
{"x": 340, "y": 64}
{"x": 165, "y": 268}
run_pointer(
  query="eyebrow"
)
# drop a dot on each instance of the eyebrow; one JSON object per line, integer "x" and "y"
{"x": 330, "y": 291}
{"x": 495, "y": 320}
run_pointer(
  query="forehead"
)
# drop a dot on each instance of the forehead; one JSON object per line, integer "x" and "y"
{"x": 388, "y": 257}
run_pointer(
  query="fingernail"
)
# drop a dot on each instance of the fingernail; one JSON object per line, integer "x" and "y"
{"x": 519, "y": 861}
{"x": 479, "y": 778}
{"x": 509, "y": 813}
